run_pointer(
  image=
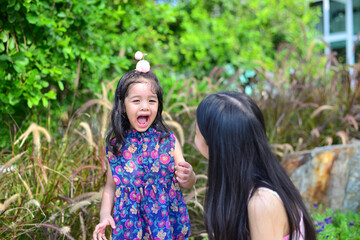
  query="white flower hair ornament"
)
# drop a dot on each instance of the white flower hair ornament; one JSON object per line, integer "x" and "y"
{"x": 142, "y": 65}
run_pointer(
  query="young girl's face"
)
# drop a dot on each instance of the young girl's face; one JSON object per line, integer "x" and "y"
{"x": 141, "y": 105}
{"x": 201, "y": 144}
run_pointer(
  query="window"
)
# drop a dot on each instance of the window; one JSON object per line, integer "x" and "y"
{"x": 356, "y": 7}
{"x": 337, "y": 17}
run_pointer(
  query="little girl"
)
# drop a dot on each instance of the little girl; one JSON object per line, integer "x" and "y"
{"x": 249, "y": 194}
{"x": 145, "y": 165}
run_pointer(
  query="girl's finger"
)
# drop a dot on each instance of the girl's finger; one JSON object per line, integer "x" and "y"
{"x": 104, "y": 237}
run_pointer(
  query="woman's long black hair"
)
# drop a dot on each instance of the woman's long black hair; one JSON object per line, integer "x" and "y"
{"x": 239, "y": 158}
{"x": 119, "y": 121}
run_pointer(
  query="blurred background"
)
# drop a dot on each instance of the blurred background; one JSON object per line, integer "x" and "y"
{"x": 60, "y": 62}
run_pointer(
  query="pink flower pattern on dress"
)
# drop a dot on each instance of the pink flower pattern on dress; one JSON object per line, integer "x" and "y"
{"x": 164, "y": 159}
{"x": 127, "y": 154}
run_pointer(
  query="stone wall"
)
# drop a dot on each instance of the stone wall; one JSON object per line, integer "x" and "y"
{"x": 328, "y": 175}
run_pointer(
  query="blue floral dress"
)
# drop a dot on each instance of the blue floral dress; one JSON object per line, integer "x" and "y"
{"x": 148, "y": 201}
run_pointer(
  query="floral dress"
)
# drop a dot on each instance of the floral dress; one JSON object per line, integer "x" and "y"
{"x": 148, "y": 201}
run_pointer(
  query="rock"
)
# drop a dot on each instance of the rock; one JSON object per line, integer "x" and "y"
{"x": 328, "y": 175}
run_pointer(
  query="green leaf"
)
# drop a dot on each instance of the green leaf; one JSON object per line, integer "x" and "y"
{"x": 50, "y": 95}
{"x": 5, "y": 57}
{"x": 61, "y": 15}
{"x": 29, "y": 103}
{"x": 12, "y": 18}
{"x": 61, "y": 85}
{"x": 4, "y": 65}
{"x": 45, "y": 102}
{"x": 44, "y": 84}
{"x": 11, "y": 43}
{"x": 19, "y": 68}
{"x": 2, "y": 47}
{"x": 17, "y": 7}
{"x": 4, "y": 36}
{"x": 32, "y": 18}
{"x": 21, "y": 60}
{"x": 11, "y": 3}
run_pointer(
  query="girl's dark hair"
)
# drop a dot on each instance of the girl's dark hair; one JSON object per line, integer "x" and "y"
{"x": 119, "y": 121}
{"x": 240, "y": 158}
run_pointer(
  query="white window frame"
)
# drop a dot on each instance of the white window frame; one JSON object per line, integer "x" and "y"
{"x": 347, "y": 36}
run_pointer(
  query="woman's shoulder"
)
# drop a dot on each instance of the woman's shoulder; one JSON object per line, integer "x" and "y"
{"x": 265, "y": 199}
{"x": 266, "y": 209}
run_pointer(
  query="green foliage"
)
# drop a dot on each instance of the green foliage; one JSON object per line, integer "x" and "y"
{"x": 51, "y": 49}
{"x": 335, "y": 224}
{"x": 59, "y": 52}
{"x": 215, "y": 33}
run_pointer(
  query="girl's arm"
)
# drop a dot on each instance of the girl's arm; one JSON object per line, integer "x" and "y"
{"x": 183, "y": 170}
{"x": 267, "y": 217}
{"x": 107, "y": 204}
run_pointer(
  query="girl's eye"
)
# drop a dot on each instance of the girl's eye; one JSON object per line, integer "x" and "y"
{"x": 136, "y": 101}
{"x": 153, "y": 101}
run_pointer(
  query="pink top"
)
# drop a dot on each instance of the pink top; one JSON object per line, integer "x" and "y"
{"x": 296, "y": 236}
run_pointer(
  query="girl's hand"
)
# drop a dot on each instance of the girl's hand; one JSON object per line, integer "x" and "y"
{"x": 184, "y": 174}
{"x": 99, "y": 232}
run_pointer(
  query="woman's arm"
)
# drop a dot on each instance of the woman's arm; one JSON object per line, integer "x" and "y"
{"x": 183, "y": 170}
{"x": 267, "y": 217}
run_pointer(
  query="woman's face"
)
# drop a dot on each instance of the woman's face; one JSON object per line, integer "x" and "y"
{"x": 201, "y": 144}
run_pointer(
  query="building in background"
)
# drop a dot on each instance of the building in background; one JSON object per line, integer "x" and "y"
{"x": 340, "y": 25}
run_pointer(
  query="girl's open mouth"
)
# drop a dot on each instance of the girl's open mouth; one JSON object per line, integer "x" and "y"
{"x": 143, "y": 121}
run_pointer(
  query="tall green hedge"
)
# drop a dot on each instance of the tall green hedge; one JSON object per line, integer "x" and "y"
{"x": 60, "y": 51}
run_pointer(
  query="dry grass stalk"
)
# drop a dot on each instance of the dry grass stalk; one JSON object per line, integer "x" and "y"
{"x": 90, "y": 196}
{"x": 179, "y": 129}
{"x": 179, "y": 104}
{"x": 42, "y": 169}
{"x": 352, "y": 120}
{"x": 310, "y": 50}
{"x": 78, "y": 205}
{"x": 26, "y": 186}
{"x": 166, "y": 115}
{"x": 82, "y": 226}
{"x": 50, "y": 169}
{"x": 105, "y": 89}
{"x": 282, "y": 149}
{"x": 201, "y": 176}
{"x": 32, "y": 202}
{"x": 88, "y": 136}
{"x": 8, "y": 201}
{"x": 35, "y": 130}
{"x": 343, "y": 136}
{"x": 329, "y": 141}
{"x": 187, "y": 110}
{"x": 197, "y": 204}
{"x": 64, "y": 230}
{"x": 320, "y": 109}
{"x": 194, "y": 193}
{"x": 105, "y": 103}
{"x": 11, "y": 161}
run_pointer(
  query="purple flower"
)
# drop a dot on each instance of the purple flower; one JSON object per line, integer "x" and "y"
{"x": 328, "y": 220}
{"x": 351, "y": 224}
{"x": 315, "y": 205}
